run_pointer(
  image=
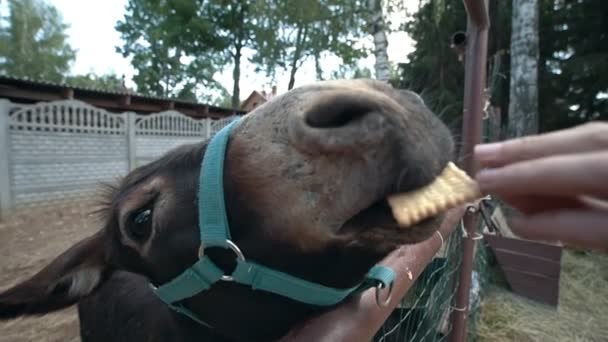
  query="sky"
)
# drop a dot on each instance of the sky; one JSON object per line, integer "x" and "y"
{"x": 92, "y": 34}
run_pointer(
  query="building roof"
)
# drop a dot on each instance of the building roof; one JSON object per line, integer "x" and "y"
{"x": 255, "y": 95}
{"x": 25, "y": 90}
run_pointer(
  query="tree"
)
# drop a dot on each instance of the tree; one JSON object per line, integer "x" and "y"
{"x": 347, "y": 72}
{"x": 294, "y": 32}
{"x": 171, "y": 50}
{"x": 108, "y": 82}
{"x": 377, "y": 29}
{"x": 573, "y": 72}
{"x": 523, "y": 101}
{"x": 236, "y": 23}
{"x": 177, "y": 46}
{"x": 33, "y": 42}
{"x": 433, "y": 69}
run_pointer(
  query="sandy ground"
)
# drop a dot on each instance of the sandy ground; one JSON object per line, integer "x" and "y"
{"x": 29, "y": 239}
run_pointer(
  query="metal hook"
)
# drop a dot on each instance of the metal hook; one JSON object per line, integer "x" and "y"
{"x": 487, "y": 218}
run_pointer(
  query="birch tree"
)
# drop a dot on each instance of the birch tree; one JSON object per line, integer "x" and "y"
{"x": 523, "y": 98}
{"x": 377, "y": 28}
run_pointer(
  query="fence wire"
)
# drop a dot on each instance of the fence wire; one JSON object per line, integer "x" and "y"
{"x": 424, "y": 313}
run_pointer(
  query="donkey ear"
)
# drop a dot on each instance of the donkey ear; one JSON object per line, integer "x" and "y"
{"x": 71, "y": 276}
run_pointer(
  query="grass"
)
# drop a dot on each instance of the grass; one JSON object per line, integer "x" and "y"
{"x": 582, "y": 314}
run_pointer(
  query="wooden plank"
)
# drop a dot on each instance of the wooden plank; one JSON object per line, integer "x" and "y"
{"x": 529, "y": 247}
{"x": 529, "y": 263}
{"x": 538, "y": 288}
{"x": 532, "y": 269}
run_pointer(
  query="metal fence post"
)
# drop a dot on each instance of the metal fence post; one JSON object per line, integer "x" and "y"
{"x": 6, "y": 197}
{"x": 131, "y": 146}
{"x": 475, "y": 81}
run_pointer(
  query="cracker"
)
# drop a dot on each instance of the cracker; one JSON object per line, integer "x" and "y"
{"x": 451, "y": 188}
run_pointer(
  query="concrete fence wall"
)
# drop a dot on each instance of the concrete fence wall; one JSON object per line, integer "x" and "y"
{"x": 61, "y": 150}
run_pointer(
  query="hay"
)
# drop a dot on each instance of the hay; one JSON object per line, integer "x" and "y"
{"x": 582, "y": 313}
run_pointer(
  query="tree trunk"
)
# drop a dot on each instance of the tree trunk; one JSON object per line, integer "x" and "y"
{"x": 236, "y": 77}
{"x": 238, "y": 46}
{"x": 376, "y": 26}
{"x": 300, "y": 41}
{"x": 523, "y": 98}
{"x": 318, "y": 67}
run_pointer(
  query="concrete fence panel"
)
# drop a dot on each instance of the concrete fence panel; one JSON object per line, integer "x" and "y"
{"x": 62, "y": 150}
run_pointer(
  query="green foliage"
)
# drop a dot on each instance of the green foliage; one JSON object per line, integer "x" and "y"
{"x": 177, "y": 46}
{"x": 237, "y": 23}
{"x": 350, "y": 72}
{"x": 433, "y": 69}
{"x": 224, "y": 100}
{"x": 296, "y": 31}
{"x": 573, "y": 73}
{"x": 33, "y": 42}
{"x": 170, "y": 47}
{"x": 109, "y": 82}
{"x": 574, "y": 68}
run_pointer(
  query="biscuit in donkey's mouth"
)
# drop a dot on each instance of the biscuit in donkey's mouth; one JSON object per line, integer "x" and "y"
{"x": 450, "y": 189}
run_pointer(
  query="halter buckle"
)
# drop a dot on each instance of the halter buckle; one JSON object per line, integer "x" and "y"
{"x": 228, "y": 244}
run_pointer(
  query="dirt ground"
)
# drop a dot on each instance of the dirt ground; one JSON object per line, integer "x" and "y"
{"x": 29, "y": 239}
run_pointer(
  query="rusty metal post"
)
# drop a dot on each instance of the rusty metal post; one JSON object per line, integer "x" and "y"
{"x": 475, "y": 81}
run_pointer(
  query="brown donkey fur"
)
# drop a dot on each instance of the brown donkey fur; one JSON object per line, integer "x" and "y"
{"x": 306, "y": 177}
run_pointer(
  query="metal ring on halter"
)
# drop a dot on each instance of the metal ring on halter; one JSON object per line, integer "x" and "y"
{"x": 233, "y": 247}
{"x": 379, "y": 287}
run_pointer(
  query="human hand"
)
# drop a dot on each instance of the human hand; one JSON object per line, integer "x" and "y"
{"x": 558, "y": 180}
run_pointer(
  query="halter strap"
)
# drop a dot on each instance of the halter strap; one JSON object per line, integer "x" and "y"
{"x": 215, "y": 232}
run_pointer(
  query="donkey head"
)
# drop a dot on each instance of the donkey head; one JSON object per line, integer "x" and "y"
{"x": 305, "y": 179}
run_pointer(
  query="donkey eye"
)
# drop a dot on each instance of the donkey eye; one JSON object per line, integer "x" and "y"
{"x": 140, "y": 224}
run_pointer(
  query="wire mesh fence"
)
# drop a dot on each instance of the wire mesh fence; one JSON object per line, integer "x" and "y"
{"x": 424, "y": 313}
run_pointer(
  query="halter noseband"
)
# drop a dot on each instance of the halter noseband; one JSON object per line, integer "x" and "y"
{"x": 215, "y": 232}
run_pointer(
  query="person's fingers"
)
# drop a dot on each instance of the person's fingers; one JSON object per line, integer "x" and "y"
{"x": 584, "y": 138}
{"x": 561, "y": 176}
{"x": 536, "y": 204}
{"x": 575, "y": 228}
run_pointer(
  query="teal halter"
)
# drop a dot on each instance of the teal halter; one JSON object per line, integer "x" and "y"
{"x": 215, "y": 232}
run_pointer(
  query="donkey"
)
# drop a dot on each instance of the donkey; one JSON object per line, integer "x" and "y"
{"x": 305, "y": 178}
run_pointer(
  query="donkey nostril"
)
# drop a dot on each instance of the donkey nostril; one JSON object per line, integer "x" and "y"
{"x": 338, "y": 113}
{"x": 339, "y": 122}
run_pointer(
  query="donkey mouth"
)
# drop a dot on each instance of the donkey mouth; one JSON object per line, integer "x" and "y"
{"x": 376, "y": 218}
{"x": 379, "y": 218}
